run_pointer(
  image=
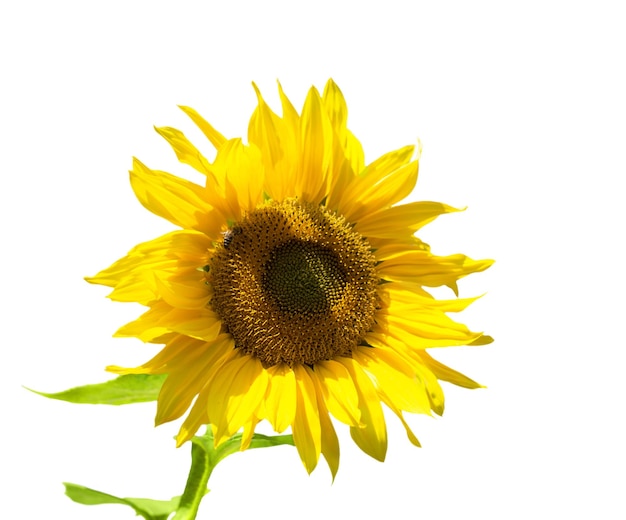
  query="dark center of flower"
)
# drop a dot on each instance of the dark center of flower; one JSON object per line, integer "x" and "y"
{"x": 294, "y": 284}
{"x": 302, "y": 277}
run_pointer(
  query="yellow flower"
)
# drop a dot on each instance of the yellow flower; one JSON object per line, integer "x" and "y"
{"x": 296, "y": 287}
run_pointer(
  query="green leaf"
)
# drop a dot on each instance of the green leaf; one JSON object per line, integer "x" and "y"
{"x": 264, "y": 441}
{"x": 131, "y": 388}
{"x": 145, "y": 507}
{"x": 233, "y": 445}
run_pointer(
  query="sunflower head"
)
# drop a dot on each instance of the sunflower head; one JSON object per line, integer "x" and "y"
{"x": 296, "y": 289}
{"x": 294, "y": 284}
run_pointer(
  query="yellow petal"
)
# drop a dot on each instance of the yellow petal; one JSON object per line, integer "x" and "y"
{"x": 190, "y": 294}
{"x": 393, "y": 188}
{"x": 236, "y": 391}
{"x": 248, "y": 433}
{"x": 246, "y": 394}
{"x": 407, "y": 218}
{"x": 446, "y": 373}
{"x": 158, "y": 364}
{"x": 391, "y": 173}
{"x": 347, "y": 159}
{"x": 315, "y": 150}
{"x": 188, "y": 375}
{"x": 280, "y": 402}
{"x": 186, "y": 152}
{"x": 211, "y": 133}
{"x": 389, "y": 248}
{"x": 201, "y": 324}
{"x": 412, "y": 356}
{"x": 240, "y": 170}
{"x": 147, "y": 326}
{"x": 133, "y": 277}
{"x": 219, "y": 390}
{"x": 290, "y": 115}
{"x": 197, "y": 417}
{"x": 372, "y": 437}
{"x": 429, "y": 323}
{"x": 330, "y": 443}
{"x": 335, "y": 105}
{"x": 306, "y": 426}
{"x": 181, "y": 202}
{"x": 173, "y": 250}
{"x": 398, "y": 297}
{"x": 339, "y": 392}
{"x": 277, "y": 142}
{"x": 385, "y": 165}
{"x": 424, "y": 268}
{"x": 433, "y": 388}
{"x": 393, "y": 376}
{"x": 409, "y": 433}
{"x": 426, "y": 330}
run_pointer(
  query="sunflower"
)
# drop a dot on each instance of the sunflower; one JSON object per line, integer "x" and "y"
{"x": 296, "y": 288}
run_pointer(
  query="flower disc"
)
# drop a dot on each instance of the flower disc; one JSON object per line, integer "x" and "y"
{"x": 294, "y": 284}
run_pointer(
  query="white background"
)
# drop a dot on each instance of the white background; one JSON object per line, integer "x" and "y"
{"x": 521, "y": 110}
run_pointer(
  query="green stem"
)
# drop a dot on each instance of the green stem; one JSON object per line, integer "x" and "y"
{"x": 205, "y": 456}
{"x": 202, "y": 465}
